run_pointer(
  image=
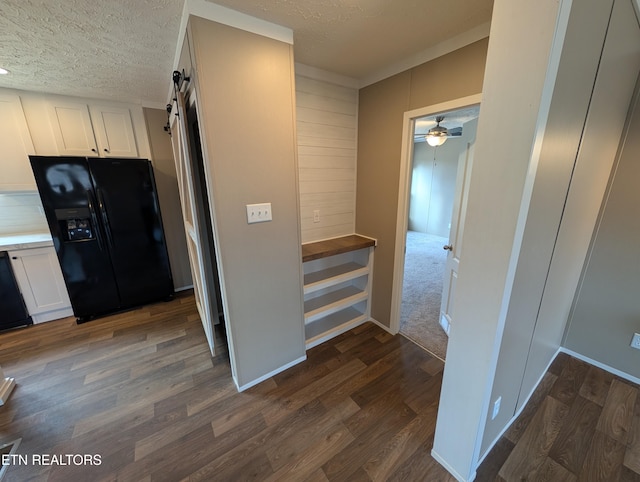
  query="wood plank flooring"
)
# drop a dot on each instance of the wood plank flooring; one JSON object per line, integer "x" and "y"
{"x": 141, "y": 390}
{"x": 581, "y": 424}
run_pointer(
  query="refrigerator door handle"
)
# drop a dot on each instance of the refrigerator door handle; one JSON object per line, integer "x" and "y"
{"x": 105, "y": 217}
{"x": 94, "y": 219}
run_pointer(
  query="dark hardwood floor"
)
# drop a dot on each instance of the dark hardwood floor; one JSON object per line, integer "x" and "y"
{"x": 581, "y": 424}
{"x": 141, "y": 390}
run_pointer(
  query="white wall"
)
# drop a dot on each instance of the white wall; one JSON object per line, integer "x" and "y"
{"x": 530, "y": 204}
{"x": 433, "y": 185}
{"x": 618, "y": 70}
{"x": 607, "y": 307}
{"x": 326, "y": 137}
{"x": 517, "y": 84}
{"x": 532, "y": 335}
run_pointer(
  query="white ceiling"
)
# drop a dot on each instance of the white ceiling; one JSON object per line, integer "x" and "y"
{"x": 124, "y": 49}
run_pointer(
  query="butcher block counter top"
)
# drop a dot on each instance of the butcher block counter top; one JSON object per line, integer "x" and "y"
{"x": 331, "y": 247}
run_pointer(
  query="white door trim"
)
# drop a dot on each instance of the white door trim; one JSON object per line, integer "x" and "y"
{"x": 404, "y": 188}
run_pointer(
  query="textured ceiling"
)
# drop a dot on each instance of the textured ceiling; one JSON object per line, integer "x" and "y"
{"x": 124, "y": 49}
{"x": 112, "y": 49}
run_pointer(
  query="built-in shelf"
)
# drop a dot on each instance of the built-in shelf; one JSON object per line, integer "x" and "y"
{"x": 333, "y": 325}
{"x": 316, "y": 308}
{"x": 334, "y": 275}
{"x": 337, "y": 286}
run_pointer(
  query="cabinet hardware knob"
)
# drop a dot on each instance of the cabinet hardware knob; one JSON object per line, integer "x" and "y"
{"x": 448, "y": 247}
{"x": 106, "y": 150}
{"x": 94, "y": 150}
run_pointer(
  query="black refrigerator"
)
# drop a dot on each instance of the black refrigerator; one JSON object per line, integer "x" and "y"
{"x": 105, "y": 221}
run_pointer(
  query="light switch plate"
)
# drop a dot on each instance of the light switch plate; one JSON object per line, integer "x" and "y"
{"x": 635, "y": 341}
{"x": 258, "y": 213}
{"x": 496, "y": 408}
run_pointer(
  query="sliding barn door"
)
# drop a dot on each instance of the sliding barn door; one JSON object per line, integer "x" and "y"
{"x": 206, "y": 301}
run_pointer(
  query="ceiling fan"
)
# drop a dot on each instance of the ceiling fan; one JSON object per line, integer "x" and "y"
{"x": 438, "y": 135}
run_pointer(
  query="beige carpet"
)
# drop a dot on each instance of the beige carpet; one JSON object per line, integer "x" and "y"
{"x": 421, "y": 292}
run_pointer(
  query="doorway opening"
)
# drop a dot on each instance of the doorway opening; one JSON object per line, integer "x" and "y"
{"x": 431, "y": 211}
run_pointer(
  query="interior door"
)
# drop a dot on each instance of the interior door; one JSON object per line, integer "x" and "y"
{"x": 205, "y": 304}
{"x": 454, "y": 247}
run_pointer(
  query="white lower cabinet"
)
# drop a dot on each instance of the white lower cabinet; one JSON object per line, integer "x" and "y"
{"x": 337, "y": 287}
{"x": 40, "y": 280}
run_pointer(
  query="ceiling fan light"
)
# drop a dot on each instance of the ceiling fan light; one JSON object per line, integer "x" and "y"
{"x": 437, "y": 135}
{"x": 435, "y": 140}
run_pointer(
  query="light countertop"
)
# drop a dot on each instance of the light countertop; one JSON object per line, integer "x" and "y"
{"x": 24, "y": 241}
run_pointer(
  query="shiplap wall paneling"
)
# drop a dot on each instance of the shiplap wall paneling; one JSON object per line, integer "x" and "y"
{"x": 21, "y": 213}
{"x": 326, "y": 129}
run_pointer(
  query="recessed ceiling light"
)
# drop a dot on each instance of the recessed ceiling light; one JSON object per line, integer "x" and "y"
{"x": 3, "y": 71}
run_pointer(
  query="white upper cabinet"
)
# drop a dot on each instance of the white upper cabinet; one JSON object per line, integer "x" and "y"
{"x": 92, "y": 130}
{"x": 114, "y": 131}
{"x": 72, "y": 129}
{"x": 16, "y": 146}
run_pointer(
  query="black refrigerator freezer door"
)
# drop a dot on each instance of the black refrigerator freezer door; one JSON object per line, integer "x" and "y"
{"x": 128, "y": 207}
{"x": 66, "y": 191}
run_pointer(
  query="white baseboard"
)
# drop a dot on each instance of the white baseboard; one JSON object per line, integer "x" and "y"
{"x": 385, "y": 328}
{"x": 268, "y": 375}
{"x": 52, "y": 315}
{"x": 450, "y": 469}
{"x": 183, "y": 288}
{"x": 606, "y": 368}
{"x": 6, "y": 387}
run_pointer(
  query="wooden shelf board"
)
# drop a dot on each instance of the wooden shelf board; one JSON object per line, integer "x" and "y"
{"x": 331, "y": 247}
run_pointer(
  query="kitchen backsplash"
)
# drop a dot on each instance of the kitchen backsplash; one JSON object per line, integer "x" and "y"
{"x": 21, "y": 213}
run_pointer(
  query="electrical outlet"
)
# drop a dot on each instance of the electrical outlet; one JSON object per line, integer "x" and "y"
{"x": 316, "y": 215}
{"x": 258, "y": 213}
{"x": 635, "y": 341}
{"x": 496, "y": 408}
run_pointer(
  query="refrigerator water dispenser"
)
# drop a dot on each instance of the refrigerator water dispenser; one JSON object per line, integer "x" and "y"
{"x": 75, "y": 224}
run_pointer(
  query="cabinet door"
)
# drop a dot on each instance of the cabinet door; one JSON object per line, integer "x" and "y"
{"x": 16, "y": 146}
{"x": 40, "y": 280}
{"x": 72, "y": 128}
{"x": 114, "y": 131}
